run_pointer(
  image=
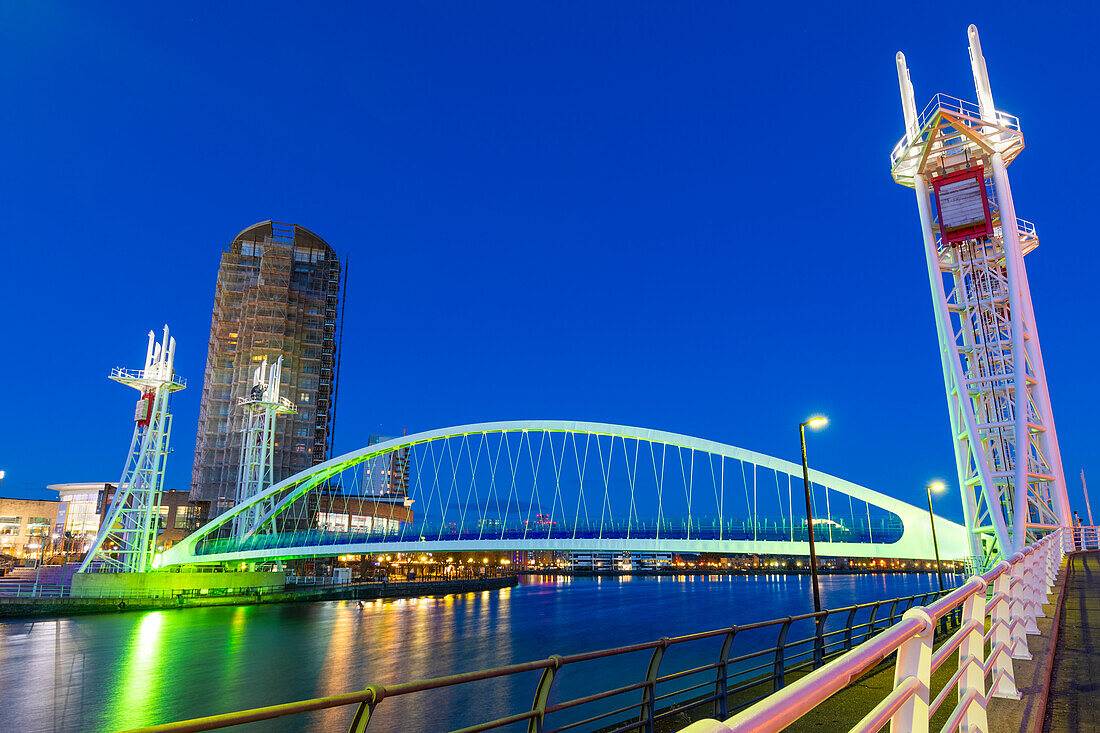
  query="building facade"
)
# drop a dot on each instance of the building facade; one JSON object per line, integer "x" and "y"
{"x": 277, "y": 294}
{"x": 26, "y": 526}
{"x": 82, "y": 507}
{"x": 388, "y": 477}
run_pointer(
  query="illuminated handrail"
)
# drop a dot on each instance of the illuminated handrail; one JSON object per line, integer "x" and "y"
{"x": 1082, "y": 538}
{"x": 1019, "y": 588}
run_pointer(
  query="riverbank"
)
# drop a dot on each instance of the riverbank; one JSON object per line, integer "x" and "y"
{"x": 12, "y": 607}
{"x": 674, "y": 572}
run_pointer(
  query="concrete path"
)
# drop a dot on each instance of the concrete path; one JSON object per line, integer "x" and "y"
{"x": 1073, "y": 703}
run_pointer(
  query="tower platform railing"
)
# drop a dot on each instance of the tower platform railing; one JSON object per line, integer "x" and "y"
{"x": 959, "y": 107}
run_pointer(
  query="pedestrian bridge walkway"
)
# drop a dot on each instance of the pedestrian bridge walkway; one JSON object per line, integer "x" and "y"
{"x": 564, "y": 486}
{"x": 1073, "y": 700}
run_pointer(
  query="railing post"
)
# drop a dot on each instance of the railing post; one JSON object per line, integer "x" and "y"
{"x": 871, "y": 622}
{"x": 362, "y": 714}
{"x": 1017, "y": 610}
{"x": 1004, "y": 677}
{"x": 972, "y": 661}
{"x": 542, "y": 694}
{"x": 780, "y": 656}
{"x": 819, "y": 639}
{"x": 848, "y": 629}
{"x": 914, "y": 662}
{"x": 649, "y": 692}
{"x": 1052, "y": 559}
{"x": 1039, "y": 588}
{"x": 1033, "y": 605}
{"x": 721, "y": 685}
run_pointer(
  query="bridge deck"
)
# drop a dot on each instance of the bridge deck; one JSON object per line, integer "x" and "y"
{"x": 1074, "y": 698}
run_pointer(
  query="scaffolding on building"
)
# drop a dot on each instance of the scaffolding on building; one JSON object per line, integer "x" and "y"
{"x": 277, "y": 296}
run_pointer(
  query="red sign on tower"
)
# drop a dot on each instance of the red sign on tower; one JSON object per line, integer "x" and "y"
{"x": 963, "y": 205}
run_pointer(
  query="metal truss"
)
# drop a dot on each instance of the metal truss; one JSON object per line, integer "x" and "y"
{"x": 1006, "y": 447}
{"x": 559, "y": 485}
{"x": 127, "y": 537}
{"x": 261, "y": 407}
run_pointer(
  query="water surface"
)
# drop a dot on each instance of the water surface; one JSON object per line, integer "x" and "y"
{"x": 114, "y": 671}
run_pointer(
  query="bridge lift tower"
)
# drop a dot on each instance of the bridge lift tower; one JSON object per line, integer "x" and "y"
{"x": 954, "y": 155}
{"x": 127, "y": 537}
{"x": 261, "y": 406}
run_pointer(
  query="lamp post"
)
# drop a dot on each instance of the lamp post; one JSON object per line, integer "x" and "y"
{"x": 936, "y": 487}
{"x": 813, "y": 422}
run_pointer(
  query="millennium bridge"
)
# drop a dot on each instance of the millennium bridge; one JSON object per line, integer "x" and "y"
{"x": 563, "y": 486}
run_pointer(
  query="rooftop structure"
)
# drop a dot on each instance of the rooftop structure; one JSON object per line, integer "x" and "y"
{"x": 277, "y": 295}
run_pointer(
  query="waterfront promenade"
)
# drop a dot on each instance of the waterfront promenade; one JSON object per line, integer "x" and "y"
{"x": 51, "y": 604}
{"x": 1073, "y": 702}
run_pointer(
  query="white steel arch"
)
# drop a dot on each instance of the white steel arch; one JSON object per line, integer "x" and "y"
{"x": 563, "y": 485}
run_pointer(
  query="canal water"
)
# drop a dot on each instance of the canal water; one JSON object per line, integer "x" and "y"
{"x": 115, "y": 671}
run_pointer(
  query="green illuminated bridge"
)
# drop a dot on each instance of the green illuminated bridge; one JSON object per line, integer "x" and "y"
{"x": 558, "y": 485}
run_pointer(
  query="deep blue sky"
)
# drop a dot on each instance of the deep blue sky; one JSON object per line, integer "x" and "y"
{"x": 671, "y": 215}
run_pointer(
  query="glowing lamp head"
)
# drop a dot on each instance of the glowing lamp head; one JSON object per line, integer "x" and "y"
{"x": 819, "y": 421}
{"x": 936, "y": 487}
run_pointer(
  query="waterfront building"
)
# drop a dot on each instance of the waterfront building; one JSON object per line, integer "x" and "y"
{"x": 390, "y": 476}
{"x": 277, "y": 294}
{"x": 339, "y": 513}
{"x": 26, "y": 526}
{"x": 600, "y": 561}
{"x": 81, "y": 507}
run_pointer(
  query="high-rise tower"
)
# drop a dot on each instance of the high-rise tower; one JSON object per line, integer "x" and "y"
{"x": 277, "y": 295}
{"x": 954, "y": 155}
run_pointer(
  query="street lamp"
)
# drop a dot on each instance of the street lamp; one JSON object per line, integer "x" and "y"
{"x": 814, "y": 422}
{"x": 1, "y": 477}
{"x": 936, "y": 488}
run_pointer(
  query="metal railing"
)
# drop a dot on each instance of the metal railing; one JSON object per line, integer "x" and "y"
{"x": 774, "y": 652}
{"x": 1018, "y": 589}
{"x": 877, "y": 532}
{"x": 1082, "y": 538}
{"x": 30, "y": 589}
{"x": 960, "y": 107}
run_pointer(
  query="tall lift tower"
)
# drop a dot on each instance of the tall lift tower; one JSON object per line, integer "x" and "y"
{"x": 261, "y": 406}
{"x": 127, "y": 537}
{"x": 954, "y": 155}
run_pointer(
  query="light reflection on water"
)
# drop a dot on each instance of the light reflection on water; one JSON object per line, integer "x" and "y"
{"x": 108, "y": 672}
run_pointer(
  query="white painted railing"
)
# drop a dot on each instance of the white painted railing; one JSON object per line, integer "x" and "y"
{"x": 1082, "y": 538}
{"x": 1019, "y": 588}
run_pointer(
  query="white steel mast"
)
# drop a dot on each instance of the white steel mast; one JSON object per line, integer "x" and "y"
{"x": 954, "y": 155}
{"x": 261, "y": 406}
{"x": 127, "y": 537}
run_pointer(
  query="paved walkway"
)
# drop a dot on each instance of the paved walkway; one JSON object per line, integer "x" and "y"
{"x": 1074, "y": 700}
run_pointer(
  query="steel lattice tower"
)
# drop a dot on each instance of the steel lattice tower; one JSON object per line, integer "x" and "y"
{"x": 954, "y": 155}
{"x": 261, "y": 406}
{"x": 127, "y": 537}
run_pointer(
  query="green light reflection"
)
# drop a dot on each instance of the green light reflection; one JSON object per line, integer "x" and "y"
{"x": 145, "y": 676}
